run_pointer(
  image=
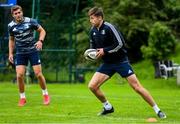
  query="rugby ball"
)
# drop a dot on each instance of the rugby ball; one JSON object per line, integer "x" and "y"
{"x": 90, "y": 54}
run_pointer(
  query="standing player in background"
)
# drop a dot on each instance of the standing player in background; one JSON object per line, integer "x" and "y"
{"x": 27, "y": 49}
{"x": 110, "y": 45}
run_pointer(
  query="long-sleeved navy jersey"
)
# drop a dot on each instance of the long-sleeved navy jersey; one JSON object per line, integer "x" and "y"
{"x": 112, "y": 42}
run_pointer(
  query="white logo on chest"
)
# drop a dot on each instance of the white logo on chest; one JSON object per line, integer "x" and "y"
{"x": 103, "y": 32}
{"x": 14, "y": 29}
{"x": 26, "y": 26}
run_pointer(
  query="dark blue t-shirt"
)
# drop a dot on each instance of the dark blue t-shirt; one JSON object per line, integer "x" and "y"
{"x": 23, "y": 34}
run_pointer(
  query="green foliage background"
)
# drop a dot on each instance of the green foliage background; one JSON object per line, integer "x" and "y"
{"x": 161, "y": 43}
{"x": 135, "y": 19}
{"x": 68, "y": 27}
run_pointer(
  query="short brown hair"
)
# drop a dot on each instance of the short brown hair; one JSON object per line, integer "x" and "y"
{"x": 96, "y": 11}
{"x": 14, "y": 8}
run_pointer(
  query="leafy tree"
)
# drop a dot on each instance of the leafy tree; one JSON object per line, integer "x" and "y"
{"x": 161, "y": 42}
{"x": 135, "y": 18}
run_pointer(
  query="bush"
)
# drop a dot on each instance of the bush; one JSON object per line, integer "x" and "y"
{"x": 161, "y": 43}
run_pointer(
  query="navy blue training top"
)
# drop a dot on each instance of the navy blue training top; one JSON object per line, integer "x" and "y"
{"x": 112, "y": 42}
{"x": 23, "y": 34}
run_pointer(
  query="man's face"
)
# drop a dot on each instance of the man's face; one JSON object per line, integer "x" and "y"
{"x": 18, "y": 15}
{"x": 95, "y": 20}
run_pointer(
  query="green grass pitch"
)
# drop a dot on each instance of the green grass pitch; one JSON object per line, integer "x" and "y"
{"x": 74, "y": 103}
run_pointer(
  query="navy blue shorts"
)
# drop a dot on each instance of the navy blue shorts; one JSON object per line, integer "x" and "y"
{"x": 124, "y": 69}
{"x": 33, "y": 58}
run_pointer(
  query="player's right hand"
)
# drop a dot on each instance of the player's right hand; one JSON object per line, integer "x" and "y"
{"x": 100, "y": 53}
{"x": 11, "y": 59}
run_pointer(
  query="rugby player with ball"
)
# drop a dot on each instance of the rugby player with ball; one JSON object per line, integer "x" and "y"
{"x": 110, "y": 46}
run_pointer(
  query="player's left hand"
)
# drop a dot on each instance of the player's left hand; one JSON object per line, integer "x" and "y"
{"x": 100, "y": 53}
{"x": 38, "y": 45}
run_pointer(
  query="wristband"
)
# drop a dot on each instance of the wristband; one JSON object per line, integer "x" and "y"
{"x": 41, "y": 41}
